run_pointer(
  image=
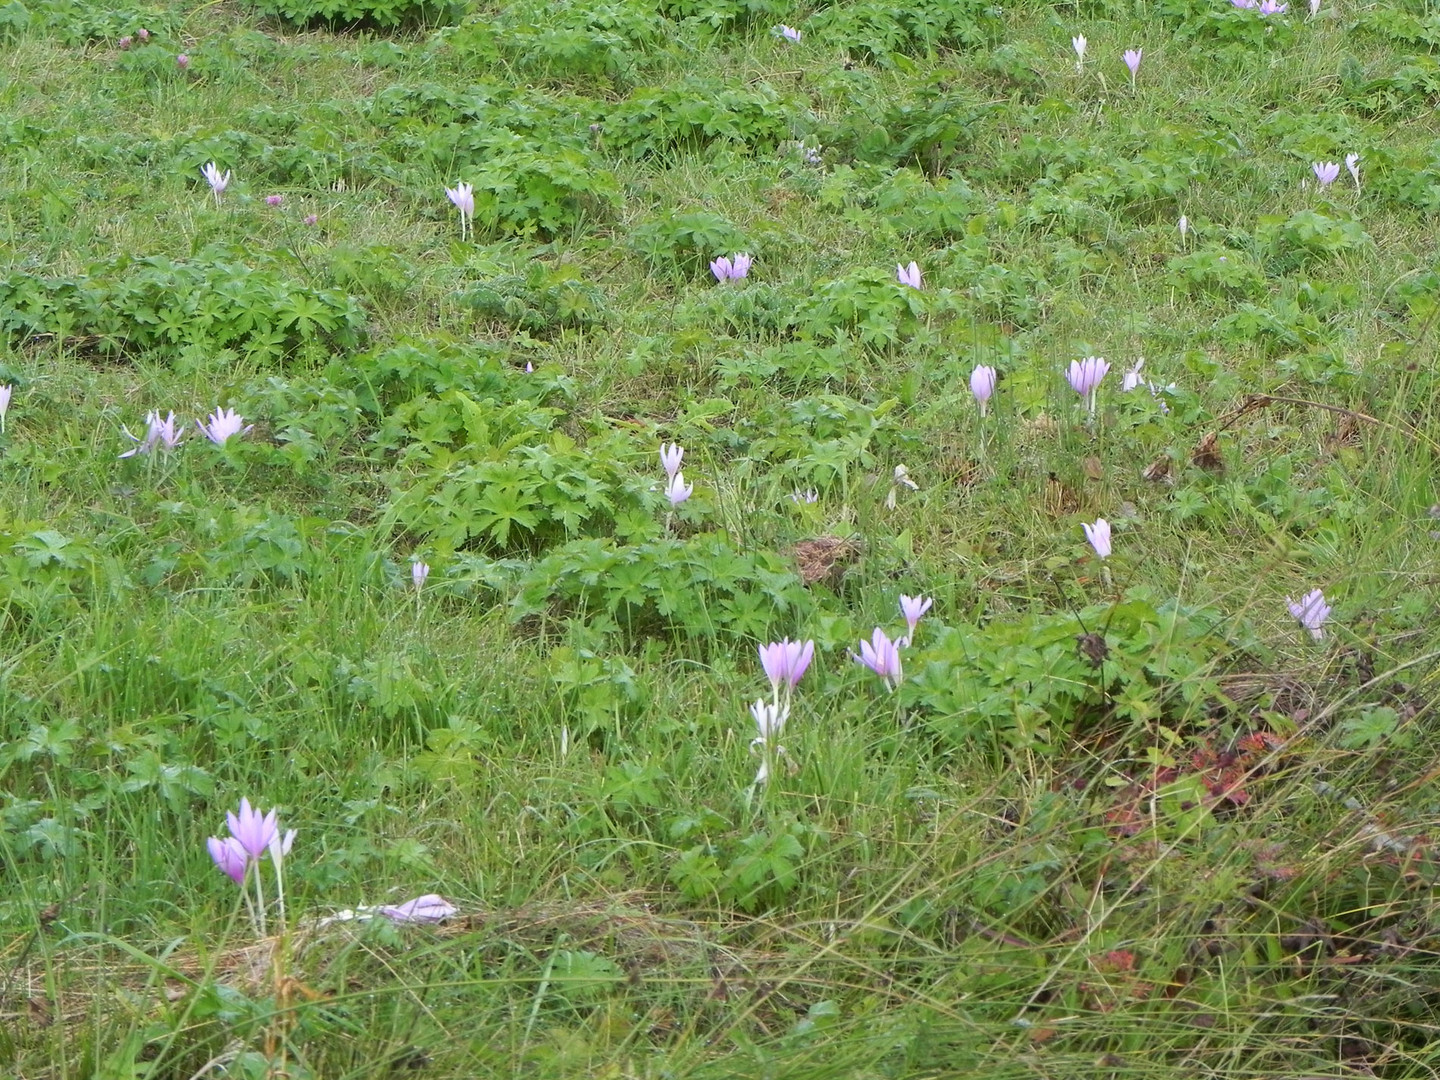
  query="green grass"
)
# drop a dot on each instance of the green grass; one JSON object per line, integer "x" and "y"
{"x": 1197, "y": 843}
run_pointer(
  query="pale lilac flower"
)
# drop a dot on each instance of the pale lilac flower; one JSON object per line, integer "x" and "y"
{"x": 1314, "y": 7}
{"x": 785, "y": 662}
{"x": 230, "y": 857}
{"x": 143, "y": 34}
{"x": 677, "y": 491}
{"x": 1273, "y": 7}
{"x": 1078, "y": 43}
{"x": 125, "y": 42}
{"x": 789, "y": 33}
{"x": 728, "y": 269}
{"x": 274, "y": 200}
{"x": 809, "y": 495}
{"x": 224, "y": 423}
{"x": 5, "y": 391}
{"x": 1132, "y": 61}
{"x": 769, "y": 720}
{"x": 909, "y": 275}
{"x": 882, "y": 656}
{"x": 1133, "y": 379}
{"x": 529, "y": 368}
{"x": 157, "y": 433}
{"x": 182, "y": 61}
{"x": 912, "y": 607}
{"x": 1326, "y": 172}
{"x": 463, "y": 196}
{"x": 253, "y": 830}
{"x": 280, "y": 846}
{"x": 1084, "y": 377}
{"x": 217, "y": 182}
{"x": 1099, "y": 536}
{"x": 1184, "y": 225}
{"x": 670, "y": 457}
{"x": 982, "y": 385}
{"x": 429, "y": 908}
{"x": 419, "y": 571}
{"x": 1311, "y": 612}
{"x": 1247, "y": 4}
{"x": 311, "y": 219}
{"x": 1352, "y": 162}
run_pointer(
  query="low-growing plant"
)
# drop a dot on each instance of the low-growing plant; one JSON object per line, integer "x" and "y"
{"x": 697, "y": 111}
{"x": 544, "y": 300}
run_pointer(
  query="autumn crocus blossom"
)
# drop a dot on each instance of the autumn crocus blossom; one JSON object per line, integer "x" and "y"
{"x": 1311, "y": 612}
{"x": 909, "y": 275}
{"x": 732, "y": 268}
{"x": 429, "y": 908}
{"x": 223, "y": 425}
{"x": 882, "y": 656}
{"x": 229, "y": 856}
{"x": 463, "y": 196}
{"x": 1132, "y": 61}
{"x": 1352, "y": 162}
{"x": 1326, "y": 172}
{"x": 677, "y": 491}
{"x": 157, "y": 433}
{"x": 670, "y": 458}
{"x": 254, "y": 831}
{"x": 218, "y": 182}
{"x": 419, "y": 571}
{"x": 785, "y": 662}
{"x": 1099, "y": 536}
{"x": 5, "y": 391}
{"x": 789, "y": 33}
{"x": 1084, "y": 377}
{"x": 912, "y": 608}
{"x": 1078, "y": 43}
{"x": 982, "y": 385}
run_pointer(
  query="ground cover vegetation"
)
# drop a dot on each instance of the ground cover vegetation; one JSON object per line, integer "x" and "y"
{"x": 718, "y": 539}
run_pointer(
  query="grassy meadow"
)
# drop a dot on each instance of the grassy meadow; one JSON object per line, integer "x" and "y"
{"x": 1128, "y": 809}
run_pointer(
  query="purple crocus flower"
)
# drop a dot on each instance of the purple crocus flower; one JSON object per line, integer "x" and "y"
{"x": 218, "y": 183}
{"x": 785, "y": 662}
{"x": 982, "y": 385}
{"x": 670, "y": 458}
{"x": 224, "y": 423}
{"x": 274, "y": 200}
{"x": 1326, "y": 172}
{"x": 1273, "y": 7}
{"x": 6, "y": 389}
{"x": 1084, "y": 377}
{"x": 311, "y": 219}
{"x": 419, "y": 571}
{"x": 1311, "y": 612}
{"x": 143, "y": 34}
{"x": 677, "y": 491}
{"x": 882, "y": 656}
{"x": 1099, "y": 536}
{"x": 731, "y": 269}
{"x": 254, "y": 831}
{"x": 429, "y": 908}
{"x": 182, "y": 62}
{"x": 230, "y": 856}
{"x": 789, "y": 33}
{"x": 912, "y": 607}
{"x": 1352, "y": 162}
{"x": 125, "y": 42}
{"x": 1132, "y": 61}
{"x": 909, "y": 275}
{"x": 463, "y": 196}
{"x": 157, "y": 433}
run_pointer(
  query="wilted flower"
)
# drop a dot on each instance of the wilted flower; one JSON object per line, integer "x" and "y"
{"x": 157, "y": 433}
{"x": 1132, "y": 61}
{"x": 982, "y": 385}
{"x": 789, "y": 33}
{"x": 429, "y": 908}
{"x": 670, "y": 458}
{"x": 1099, "y": 536}
{"x": 224, "y": 423}
{"x": 274, "y": 200}
{"x": 463, "y": 196}
{"x": 1326, "y": 172}
{"x": 1352, "y": 162}
{"x": 229, "y": 856}
{"x": 217, "y": 182}
{"x": 182, "y": 61}
{"x": 677, "y": 491}
{"x": 909, "y": 275}
{"x": 882, "y": 656}
{"x": 419, "y": 571}
{"x": 728, "y": 269}
{"x": 1311, "y": 611}
{"x": 912, "y": 607}
{"x": 899, "y": 480}
{"x": 253, "y": 830}
{"x": 1079, "y": 43}
{"x": 785, "y": 662}
{"x": 1084, "y": 377}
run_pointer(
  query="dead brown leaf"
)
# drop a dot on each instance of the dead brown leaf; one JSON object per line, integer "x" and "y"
{"x": 1094, "y": 468}
{"x": 1158, "y": 471}
{"x": 1206, "y": 454}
